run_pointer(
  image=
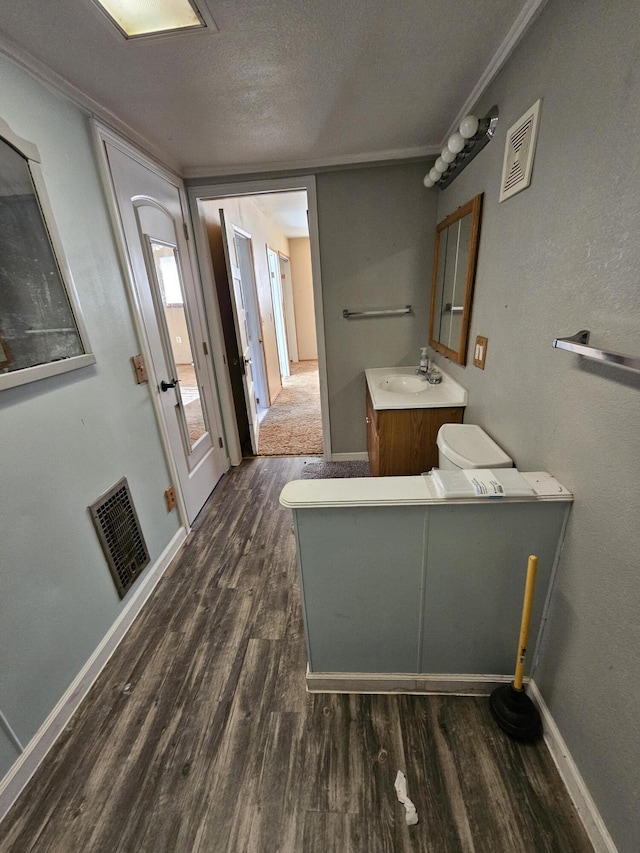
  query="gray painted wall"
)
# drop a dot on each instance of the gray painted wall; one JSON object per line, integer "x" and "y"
{"x": 561, "y": 256}
{"x": 376, "y": 247}
{"x": 66, "y": 440}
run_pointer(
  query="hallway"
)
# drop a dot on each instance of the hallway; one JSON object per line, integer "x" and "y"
{"x": 199, "y": 735}
{"x": 293, "y": 424}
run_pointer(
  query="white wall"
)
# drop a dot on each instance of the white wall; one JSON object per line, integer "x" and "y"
{"x": 561, "y": 256}
{"x": 177, "y": 328}
{"x": 67, "y": 439}
{"x": 302, "y": 285}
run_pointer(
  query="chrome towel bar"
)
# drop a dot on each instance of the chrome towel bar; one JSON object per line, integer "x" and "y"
{"x": 381, "y": 312}
{"x": 579, "y": 343}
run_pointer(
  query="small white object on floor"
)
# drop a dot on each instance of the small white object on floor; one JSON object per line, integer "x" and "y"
{"x": 411, "y": 815}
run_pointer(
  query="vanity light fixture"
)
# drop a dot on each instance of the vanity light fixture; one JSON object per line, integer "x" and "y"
{"x": 143, "y": 18}
{"x": 462, "y": 146}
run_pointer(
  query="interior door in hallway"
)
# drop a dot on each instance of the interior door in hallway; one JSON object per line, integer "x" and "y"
{"x": 151, "y": 211}
{"x": 289, "y": 306}
{"x": 278, "y": 311}
{"x": 245, "y": 321}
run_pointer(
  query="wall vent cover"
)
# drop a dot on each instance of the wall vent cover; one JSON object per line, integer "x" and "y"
{"x": 518, "y": 153}
{"x": 118, "y": 528}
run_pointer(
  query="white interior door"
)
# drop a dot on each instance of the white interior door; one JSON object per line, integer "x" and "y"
{"x": 242, "y": 328}
{"x": 244, "y": 252}
{"x": 289, "y": 306}
{"x": 278, "y": 311}
{"x": 150, "y": 207}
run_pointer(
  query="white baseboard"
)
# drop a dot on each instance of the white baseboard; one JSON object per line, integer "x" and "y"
{"x": 393, "y": 682}
{"x": 40, "y": 744}
{"x": 350, "y": 457}
{"x": 573, "y": 781}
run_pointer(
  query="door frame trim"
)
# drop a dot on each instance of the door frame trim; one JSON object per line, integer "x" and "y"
{"x": 208, "y": 191}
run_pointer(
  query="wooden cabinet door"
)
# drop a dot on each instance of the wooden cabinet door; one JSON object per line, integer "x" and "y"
{"x": 403, "y": 441}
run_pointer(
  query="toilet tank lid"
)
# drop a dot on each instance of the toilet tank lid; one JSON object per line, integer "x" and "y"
{"x": 469, "y": 446}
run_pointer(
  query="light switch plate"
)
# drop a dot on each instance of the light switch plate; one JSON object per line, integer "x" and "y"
{"x": 480, "y": 352}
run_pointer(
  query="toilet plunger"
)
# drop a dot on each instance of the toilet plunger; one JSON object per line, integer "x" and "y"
{"x": 515, "y": 713}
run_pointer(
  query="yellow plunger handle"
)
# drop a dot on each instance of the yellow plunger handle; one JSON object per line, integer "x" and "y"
{"x": 529, "y": 591}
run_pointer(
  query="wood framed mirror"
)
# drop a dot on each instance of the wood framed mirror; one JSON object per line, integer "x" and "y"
{"x": 454, "y": 271}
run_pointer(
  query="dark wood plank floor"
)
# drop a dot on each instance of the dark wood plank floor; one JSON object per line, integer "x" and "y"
{"x": 199, "y": 735}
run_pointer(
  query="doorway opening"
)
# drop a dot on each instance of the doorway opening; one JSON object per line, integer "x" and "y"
{"x": 261, "y": 249}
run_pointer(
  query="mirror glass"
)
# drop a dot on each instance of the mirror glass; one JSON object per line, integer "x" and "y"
{"x": 179, "y": 339}
{"x": 454, "y": 267}
{"x": 37, "y": 325}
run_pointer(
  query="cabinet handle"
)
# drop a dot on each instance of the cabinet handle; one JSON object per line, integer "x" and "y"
{"x": 367, "y": 419}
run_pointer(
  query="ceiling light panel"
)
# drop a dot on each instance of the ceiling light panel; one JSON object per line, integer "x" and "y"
{"x": 138, "y": 18}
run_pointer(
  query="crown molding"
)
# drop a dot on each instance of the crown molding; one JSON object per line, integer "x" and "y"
{"x": 94, "y": 109}
{"x": 61, "y": 86}
{"x": 317, "y": 164}
{"x": 528, "y": 14}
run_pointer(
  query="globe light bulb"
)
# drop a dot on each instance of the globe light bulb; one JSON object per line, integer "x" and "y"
{"x": 447, "y": 156}
{"x": 469, "y": 127}
{"x": 455, "y": 143}
{"x": 440, "y": 165}
{"x": 435, "y": 175}
{"x": 427, "y": 181}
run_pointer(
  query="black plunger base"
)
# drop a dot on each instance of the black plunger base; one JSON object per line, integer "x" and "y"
{"x": 515, "y": 713}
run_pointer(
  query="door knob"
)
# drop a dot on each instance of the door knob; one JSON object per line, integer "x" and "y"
{"x": 164, "y": 386}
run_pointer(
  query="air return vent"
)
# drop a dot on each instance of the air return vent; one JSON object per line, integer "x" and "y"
{"x": 518, "y": 154}
{"x": 118, "y": 529}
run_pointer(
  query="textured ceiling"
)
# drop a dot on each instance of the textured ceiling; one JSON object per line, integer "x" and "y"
{"x": 287, "y": 210}
{"x": 283, "y": 82}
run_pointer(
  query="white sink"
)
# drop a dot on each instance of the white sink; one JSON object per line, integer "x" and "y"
{"x": 403, "y": 384}
{"x": 401, "y": 388}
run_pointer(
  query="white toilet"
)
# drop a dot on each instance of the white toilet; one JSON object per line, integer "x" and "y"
{"x": 469, "y": 446}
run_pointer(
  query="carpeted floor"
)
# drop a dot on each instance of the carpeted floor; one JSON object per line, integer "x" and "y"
{"x": 293, "y": 425}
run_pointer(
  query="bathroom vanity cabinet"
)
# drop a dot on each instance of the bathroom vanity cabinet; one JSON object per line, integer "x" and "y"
{"x": 402, "y": 589}
{"x": 403, "y": 441}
